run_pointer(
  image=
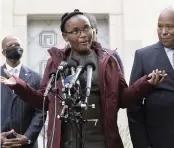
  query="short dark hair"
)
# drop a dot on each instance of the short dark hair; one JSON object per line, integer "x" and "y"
{"x": 65, "y": 17}
{"x": 92, "y": 20}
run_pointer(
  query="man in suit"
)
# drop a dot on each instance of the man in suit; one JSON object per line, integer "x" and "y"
{"x": 151, "y": 122}
{"x": 93, "y": 22}
{"x": 20, "y": 123}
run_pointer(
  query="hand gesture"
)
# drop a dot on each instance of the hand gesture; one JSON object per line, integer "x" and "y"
{"x": 156, "y": 77}
{"x": 16, "y": 142}
{"x": 3, "y": 136}
{"x": 10, "y": 81}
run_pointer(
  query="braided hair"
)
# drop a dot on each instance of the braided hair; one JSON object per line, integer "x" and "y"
{"x": 67, "y": 16}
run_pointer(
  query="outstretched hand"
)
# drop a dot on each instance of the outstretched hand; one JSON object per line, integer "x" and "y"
{"x": 156, "y": 77}
{"x": 10, "y": 81}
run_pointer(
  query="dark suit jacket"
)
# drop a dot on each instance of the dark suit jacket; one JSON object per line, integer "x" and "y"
{"x": 152, "y": 123}
{"x": 18, "y": 115}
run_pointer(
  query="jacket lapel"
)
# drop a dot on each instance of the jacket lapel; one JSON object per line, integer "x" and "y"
{"x": 2, "y": 71}
{"x": 4, "y": 75}
{"x": 24, "y": 74}
{"x": 163, "y": 60}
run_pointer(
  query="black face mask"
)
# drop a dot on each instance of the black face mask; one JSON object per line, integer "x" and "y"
{"x": 14, "y": 53}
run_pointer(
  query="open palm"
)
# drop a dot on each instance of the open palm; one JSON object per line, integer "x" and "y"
{"x": 10, "y": 81}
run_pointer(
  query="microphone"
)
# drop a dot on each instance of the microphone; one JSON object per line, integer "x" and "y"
{"x": 61, "y": 68}
{"x": 72, "y": 64}
{"x": 89, "y": 67}
{"x": 80, "y": 70}
{"x": 49, "y": 85}
{"x": 68, "y": 79}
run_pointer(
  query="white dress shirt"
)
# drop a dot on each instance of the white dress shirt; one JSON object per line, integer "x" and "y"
{"x": 14, "y": 71}
{"x": 170, "y": 55}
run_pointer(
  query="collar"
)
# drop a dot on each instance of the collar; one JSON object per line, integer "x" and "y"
{"x": 168, "y": 49}
{"x": 9, "y": 68}
{"x": 57, "y": 55}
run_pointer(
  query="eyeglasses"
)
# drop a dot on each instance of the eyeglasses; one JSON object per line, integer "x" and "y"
{"x": 77, "y": 32}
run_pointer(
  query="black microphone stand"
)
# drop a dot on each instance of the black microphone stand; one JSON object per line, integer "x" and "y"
{"x": 55, "y": 91}
{"x": 74, "y": 105}
{"x": 73, "y": 110}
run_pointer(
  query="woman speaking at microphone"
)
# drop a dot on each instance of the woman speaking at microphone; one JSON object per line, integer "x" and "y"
{"x": 109, "y": 91}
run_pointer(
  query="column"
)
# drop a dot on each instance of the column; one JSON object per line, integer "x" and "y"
{"x": 116, "y": 32}
{"x": 6, "y": 21}
{"x": 20, "y": 30}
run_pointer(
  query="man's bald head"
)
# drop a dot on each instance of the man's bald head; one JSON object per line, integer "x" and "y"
{"x": 167, "y": 13}
{"x": 166, "y": 27}
{"x": 168, "y": 9}
{"x": 10, "y": 41}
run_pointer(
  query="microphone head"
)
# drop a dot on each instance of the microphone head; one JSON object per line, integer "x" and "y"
{"x": 90, "y": 62}
{"x": 72, "y": 63}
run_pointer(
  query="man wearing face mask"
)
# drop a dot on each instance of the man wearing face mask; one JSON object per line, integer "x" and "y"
{"x": 20, "y": 123}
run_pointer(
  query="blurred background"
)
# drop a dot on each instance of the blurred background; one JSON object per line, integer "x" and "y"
{"x": 123, "y": 24}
